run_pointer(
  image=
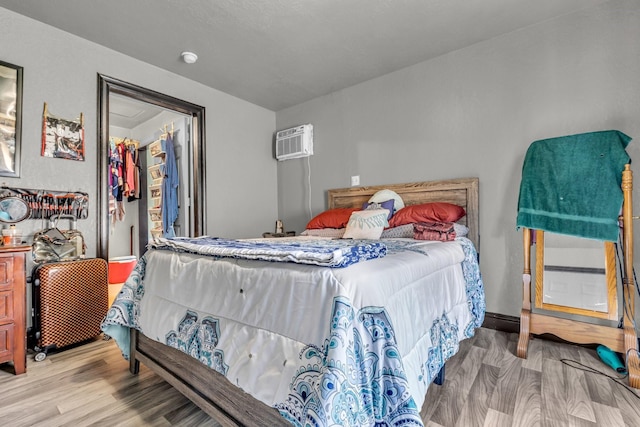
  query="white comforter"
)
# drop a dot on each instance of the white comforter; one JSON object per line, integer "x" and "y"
{"x": 348, "y": 346}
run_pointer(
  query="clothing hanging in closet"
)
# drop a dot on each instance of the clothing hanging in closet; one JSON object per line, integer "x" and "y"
{"x": 124, "y": 175}
{"x": 170, "y": 183}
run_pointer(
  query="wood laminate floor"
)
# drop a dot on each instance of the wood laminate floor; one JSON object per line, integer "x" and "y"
{"x": 486, "y": 385}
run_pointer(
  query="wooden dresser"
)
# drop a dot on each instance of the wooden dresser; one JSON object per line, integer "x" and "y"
{"x": 13, "y": 337}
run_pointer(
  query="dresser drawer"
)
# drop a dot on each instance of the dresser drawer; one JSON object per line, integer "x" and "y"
{"x": 13, "y": 306}
{"x": 6, "y": 342}
{"x": 6, "y": 307}
{"x": 6, "y": 272}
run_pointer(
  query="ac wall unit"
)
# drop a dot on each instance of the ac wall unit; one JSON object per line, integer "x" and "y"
{"x": 294, "y": 142}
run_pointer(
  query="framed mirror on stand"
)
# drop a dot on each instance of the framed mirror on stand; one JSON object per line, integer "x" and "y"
{"x": 619, "y": 338}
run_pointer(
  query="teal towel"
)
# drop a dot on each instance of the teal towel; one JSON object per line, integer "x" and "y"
{"x": 571, "y": 184}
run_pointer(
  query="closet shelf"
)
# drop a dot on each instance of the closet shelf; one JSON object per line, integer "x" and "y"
{"x": 156, "y": 191}
{"x": 156, "y": 232}
{"x": 157, "y": 148}
{"x": 156, "y": 171}
{"x": 155, "y": 214}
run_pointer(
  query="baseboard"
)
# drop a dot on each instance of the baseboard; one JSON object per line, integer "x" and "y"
{"x": 501, "y": 322}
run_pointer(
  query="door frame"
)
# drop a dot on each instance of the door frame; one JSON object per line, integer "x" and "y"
{"x": 108, "y": 85}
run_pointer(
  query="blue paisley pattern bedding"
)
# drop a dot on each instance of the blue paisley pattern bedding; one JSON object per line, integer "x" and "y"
{"x": 125, "y": 311}
{"x": 326, "y": 253}
{"x": 199, "y": 338}
{"x": 355, "y": 377}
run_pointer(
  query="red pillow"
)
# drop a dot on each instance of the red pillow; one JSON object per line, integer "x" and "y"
{"x": 332, "y": 218}
{"x": 427, "y": 212}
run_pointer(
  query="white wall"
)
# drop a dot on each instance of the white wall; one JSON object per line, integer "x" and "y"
{"x": 474, "y": 112}
{"x": 61, "y": 69}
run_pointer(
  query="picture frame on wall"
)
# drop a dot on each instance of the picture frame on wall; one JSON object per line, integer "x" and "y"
{"x": 62, "y": 138}
{"x": 10, "y": 118}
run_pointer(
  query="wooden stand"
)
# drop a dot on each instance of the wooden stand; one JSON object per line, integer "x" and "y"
{"x": 622, "y": 340}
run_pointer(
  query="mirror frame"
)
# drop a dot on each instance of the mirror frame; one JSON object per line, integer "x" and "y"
{"x": 22, "y": 201}
{"x": 108, "y": 85}
{"x": 17, "y": 126}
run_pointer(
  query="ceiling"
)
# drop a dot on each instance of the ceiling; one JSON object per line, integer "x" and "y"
{"x": 127, "y": 113}
{"x": 279, "y": 53}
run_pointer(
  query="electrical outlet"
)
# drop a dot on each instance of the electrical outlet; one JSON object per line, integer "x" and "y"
{"x": 355, "y": 180}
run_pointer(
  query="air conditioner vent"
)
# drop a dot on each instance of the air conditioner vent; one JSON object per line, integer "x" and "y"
{"x": 294, "y": 142}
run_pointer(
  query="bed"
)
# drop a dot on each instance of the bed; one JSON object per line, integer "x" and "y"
{"x": 311, "y": 342}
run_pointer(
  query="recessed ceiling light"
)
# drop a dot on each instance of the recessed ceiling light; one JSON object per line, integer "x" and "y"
{"x": 189, "y": 57}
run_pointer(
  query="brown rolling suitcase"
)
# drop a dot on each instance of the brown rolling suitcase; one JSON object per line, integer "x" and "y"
{"x": 69, "y": 302}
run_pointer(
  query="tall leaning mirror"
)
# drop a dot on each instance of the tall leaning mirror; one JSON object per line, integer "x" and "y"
{"x": 10, "y": 118}
{"x": 113, "y": 92}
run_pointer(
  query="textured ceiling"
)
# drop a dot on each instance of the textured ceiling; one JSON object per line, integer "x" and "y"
{"x": 127, "y": 113}
{"x": 279, "y": 53}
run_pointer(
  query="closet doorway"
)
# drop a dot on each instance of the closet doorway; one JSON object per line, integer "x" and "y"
{"x": 140, "y": 119}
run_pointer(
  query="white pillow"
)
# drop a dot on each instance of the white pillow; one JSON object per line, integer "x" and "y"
{"x": 384, "y": 195}
{"x": 367, "y": 224}
{"x": 460, "y": 229}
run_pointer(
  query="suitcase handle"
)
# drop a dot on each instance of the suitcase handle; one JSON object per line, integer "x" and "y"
{"x": 53, "y": 220}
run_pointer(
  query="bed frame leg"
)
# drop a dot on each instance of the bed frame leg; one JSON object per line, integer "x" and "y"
{"x": 134, "y": 364}
{"x": 439, "y": 379}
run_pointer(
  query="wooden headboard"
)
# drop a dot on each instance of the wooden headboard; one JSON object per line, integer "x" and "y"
{"x": 462, "y": 192}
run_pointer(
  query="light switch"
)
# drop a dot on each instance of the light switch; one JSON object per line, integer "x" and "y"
{"x": 355, "y": 180}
